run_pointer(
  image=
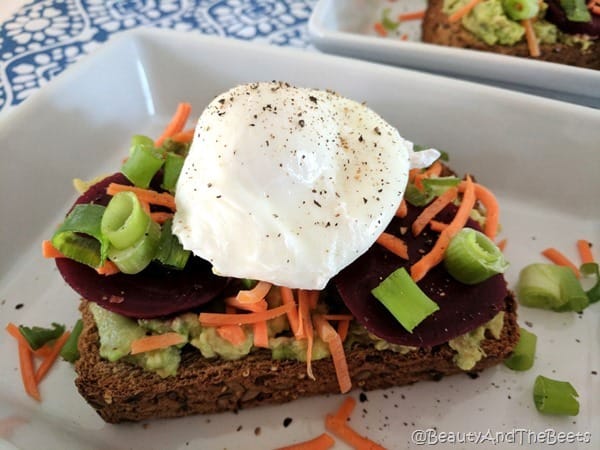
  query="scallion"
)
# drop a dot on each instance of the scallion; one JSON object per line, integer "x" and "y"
{"x": 38, "y": 336}
{"x": 404, "y": 299}
{"x": 592, "y": 269}
{"x": 550, "y": 286}
{"x": 124, "y": 221}
{"x": 555, "y": 397}
{"x": 69, "y": 351}
{"x": 438, "y": 185}
{"x": 136, "y": 258}
{"x": 143, "y": 162}
{"x": 471, "y": 257}
{"x": 173, "y": 166}
{"x": 80, "y": 237}
{"x": 523, "y": 355}
{"x": 417, "y": 197}
{"x": 170, "y": 252}
{"x": 576, "y": 10}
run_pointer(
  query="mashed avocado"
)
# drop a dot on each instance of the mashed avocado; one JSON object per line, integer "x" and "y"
{"x": 467, "y": 346}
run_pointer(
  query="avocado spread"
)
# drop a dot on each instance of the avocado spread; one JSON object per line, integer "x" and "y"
{"x": 489, "y": 23}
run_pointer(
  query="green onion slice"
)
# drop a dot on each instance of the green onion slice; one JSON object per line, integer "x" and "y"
{"x": 416, "y": 197}
{"x": 170, "y": 252}
{"x": 576, "y": 10}
{"x": 136, "y": 258}
{"x": 555, "y": 397}
{"x": 472, "y": 257}
{"x": 69, "y": 351}
{"x": 143, "y": 162}
{"x": 438, "y": 185}
{"x": 523, "y": 355}
{"x": 38, "y": 336}
{"x": 80, "y": 237}
{"x": 387, "y": 22}
{"x": 592, "y": 269}
{"x": 520, "y": 9}
{"x": 173, "y": 166}
{"x": 550, "y": 286}
{"x": 124, "y": 221}
{"x": 404, "y": 299}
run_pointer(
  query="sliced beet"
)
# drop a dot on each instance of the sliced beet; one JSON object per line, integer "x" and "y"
{"x": 462, "y": 307}
{"x": 556, "y": 15}
{"x": 154, "y": 292}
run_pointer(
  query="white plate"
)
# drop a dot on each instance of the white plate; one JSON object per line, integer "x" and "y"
{"x": 345, "y": 27}
{"x": 540, "y": 156}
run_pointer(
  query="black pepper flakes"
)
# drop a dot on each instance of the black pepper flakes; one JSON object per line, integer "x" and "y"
{"x": 287, "y": 421}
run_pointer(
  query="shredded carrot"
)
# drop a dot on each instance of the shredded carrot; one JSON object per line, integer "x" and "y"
{"x": 287, "y": 296}
{"x": 261, "y": 305}
{"x": 345, "y": 410}
{"x": 415, "y": 15}
{"x": 25, "y": 362}
{"x": 328, "y": 334}
{"x": 50, "y": 251}
{"x": 434, "y": 170}
{"x": 502, "y": 245}
{"x": 156, "y": 342}
{"x": 177, "y": 122}
{"x": 183, "y": 137}
{"x": 144, "y": 195}
{"x": 348, "y": 435}
{"x": 342, "y": 329}
{"x": 437, "y": 226}
{"x": 596, "y": 9}
{"x": 50, "y": 359}
{"x": 43, "y": 351}
{"x": 402, "y": 209}
{"x": 558, "y": 258}
{"x": 585, "y": 251}
{"x": 492, "y": 210}
{"x": 304, "y": 306}
{"x": 217, "y": 319}
{"x": 321, "y": 442}
{"x": 380, "y": 29}
{"x": 338, "y": 316}
{"x": 256, "y": 294}
{"x": 404, "y": 37}
{"x": 436, "y": 255}
{"x": 532, "y": 40}
{"x": 261, "y": 334}
{"x": 161, "y": 217}
{"x": 108, "y": 268}
{"x": 432, "y": 210}
{"x": 463, "y": 11}
{"x": 394, "y": 244}
{"x": 145, "y": 206}
{"x": 234, "y": 334}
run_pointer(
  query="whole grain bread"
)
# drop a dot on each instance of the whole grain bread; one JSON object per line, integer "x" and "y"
{"x": 122, "y": 392}
{"x": 438, "y": 30}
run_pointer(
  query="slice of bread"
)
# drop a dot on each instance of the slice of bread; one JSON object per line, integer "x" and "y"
{"x": 122, "y": 392}
{"x": 437, "y": 30}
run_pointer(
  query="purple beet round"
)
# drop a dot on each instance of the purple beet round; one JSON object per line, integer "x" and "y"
{"x": 556, "y": 15}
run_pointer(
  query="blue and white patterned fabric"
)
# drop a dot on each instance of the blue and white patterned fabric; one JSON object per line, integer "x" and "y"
{"x": 44, "y": 37}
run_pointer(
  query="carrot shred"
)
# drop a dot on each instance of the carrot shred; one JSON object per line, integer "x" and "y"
{"x": 532, "y": 41}
{"x": 50, "y": 251}
{"x": 432, "y": 210}
{"x": 463, "y": 11}
{"x": 436, "y": 254}
{"x": 345, "y": 410}
{"x": 304, "y": 306}
{"x": 25, "y": 362}
{"x": 394, "y": 244}
{"x": 108, "y": 268}
{"x": 342, "y": 329}
{"x": 144, "y": 195}
{"x": 560, "y": 259}
{"x": 321, "y": 442}
{"x": 402, "y": 209}
{"x": 595, "y": 9}
{"x": 434, "y": 170}
{"x": 177, "y": 122}
{"x": 145, "y": 206}
{"x": 585, "y": 251}
{"x": 161, "y": 217}
{"x": 43, "y": 351}
{"x": 437, "y": 226}
{"x": 261, "y": 334}
{"x": 183, "y": 137}
{"x": 218, "y": 319}
{"x": 492, "y": 209}
{"x": 287, "y": 297}
{"x": 349, "y": 435}
{"x": 330, "y": 336}
{"x": 234, "y": 334}
{"x": 338, "y": 316}
{"x": 256, "y": 294}
{"x": 261, "y": 305}
{"x": 415, "y": 15}
{"x": 380, "y": 29}
{"x": 502, "y": 245}
{"x": 156, "y": 342}
{"x": 50, "y": 359}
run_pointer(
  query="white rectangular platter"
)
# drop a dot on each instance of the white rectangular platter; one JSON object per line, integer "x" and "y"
{"x": 540, "y": 157}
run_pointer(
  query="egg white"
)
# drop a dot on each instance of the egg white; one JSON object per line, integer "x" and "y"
{"x": 289, "y": 185}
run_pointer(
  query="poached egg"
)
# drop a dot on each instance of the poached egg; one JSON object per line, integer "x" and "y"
{"x": 289, "y": 185}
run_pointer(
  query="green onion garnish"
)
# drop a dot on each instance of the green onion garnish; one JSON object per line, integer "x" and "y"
{"x": 80, "y": 237}
{"x": 576, "y": 10}
{"x": 524, "y": 352}
{"x": 520, "y": 9}
{"x": 472, "y": 257}
{"x": 404, "y": 299}
{"x": 437, "y": 186}
{"x": 555, "y": 397}
{"x": 124, "y": 221}
{"x": 143, "y": 162}
{"x": 592, "y": 269}
{"x": 38, "y": 336}
{"x": 173, "y": 166}
{"x": 170, "y": 251}
{"x": 387, "y": 22}
{"x": 550, "y": 286}
{"x": 416, "y": 197}
{"x": 69, "y": 351}
{"x": 136, "y": 258}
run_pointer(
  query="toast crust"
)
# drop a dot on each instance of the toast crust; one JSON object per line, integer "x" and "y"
{"x": 437, "y": 30}
{"x": 122, "y": 392}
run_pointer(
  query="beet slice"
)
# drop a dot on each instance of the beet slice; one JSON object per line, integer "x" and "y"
{"x": 156, "y": 291}
{"x": 556, "y": 15}
{"x": 462, "y": 307}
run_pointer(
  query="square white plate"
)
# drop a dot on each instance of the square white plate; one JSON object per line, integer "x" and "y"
{"x": 540, "y": 157}
{"x": 345, "y": 27}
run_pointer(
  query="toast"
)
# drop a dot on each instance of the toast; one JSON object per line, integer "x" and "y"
{"x": 123, "y": 392}
{"x": 438, "y": 30}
